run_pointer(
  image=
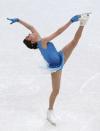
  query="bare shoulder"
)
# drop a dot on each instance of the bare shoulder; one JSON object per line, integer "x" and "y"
{"x": 44, "y": 42}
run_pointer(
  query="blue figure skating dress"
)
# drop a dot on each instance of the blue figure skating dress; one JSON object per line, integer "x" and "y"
{"x": 54, "y": 59}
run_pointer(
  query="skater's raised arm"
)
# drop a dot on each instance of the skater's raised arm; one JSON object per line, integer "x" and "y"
{"x": 25, "y": 24}
{"x": 28, "y": 26}
{"x": 57, "y": 32}
{"x": 62, "y": 28}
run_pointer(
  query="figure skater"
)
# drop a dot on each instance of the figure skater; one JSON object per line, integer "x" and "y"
{"x": 55, "y": 59}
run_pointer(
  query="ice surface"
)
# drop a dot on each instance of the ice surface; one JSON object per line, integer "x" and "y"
{"x": 25, "y": 88}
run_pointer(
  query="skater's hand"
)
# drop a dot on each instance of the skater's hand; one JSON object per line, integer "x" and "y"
{"x": 75, "y": 18}
{"x": 13, "y": 20}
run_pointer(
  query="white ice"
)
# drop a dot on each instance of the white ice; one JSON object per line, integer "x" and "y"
{"x": 25, "y": 88}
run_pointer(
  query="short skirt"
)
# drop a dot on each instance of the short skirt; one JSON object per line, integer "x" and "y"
{"x": 57, "y": 68}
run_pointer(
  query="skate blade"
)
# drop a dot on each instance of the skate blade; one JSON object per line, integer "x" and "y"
{"x": 88, "y": 13}
{"x": 52, "y": 123}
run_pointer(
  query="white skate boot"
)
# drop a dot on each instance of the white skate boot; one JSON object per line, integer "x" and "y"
{"x": 84, "y": 18}
{"x": 51, "y": 117}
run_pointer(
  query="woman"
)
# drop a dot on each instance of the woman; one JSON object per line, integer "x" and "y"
{"x": 55, "y": 59}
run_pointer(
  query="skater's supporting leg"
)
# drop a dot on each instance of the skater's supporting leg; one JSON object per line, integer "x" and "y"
{"x": 56, "y": 78}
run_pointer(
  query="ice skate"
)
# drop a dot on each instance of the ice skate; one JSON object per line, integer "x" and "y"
{"x": 86, "y": 14}
{"x": 84, "y": 18}
{"x": 51, "y": 117}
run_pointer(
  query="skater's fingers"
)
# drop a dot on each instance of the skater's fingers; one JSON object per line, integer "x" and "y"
{"x": 9, "y": 19}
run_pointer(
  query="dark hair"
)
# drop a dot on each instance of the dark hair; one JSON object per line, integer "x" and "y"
{"x": 30, "y": 45}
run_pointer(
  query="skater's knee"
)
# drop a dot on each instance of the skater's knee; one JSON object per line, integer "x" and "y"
{"x": 55, "y": 92}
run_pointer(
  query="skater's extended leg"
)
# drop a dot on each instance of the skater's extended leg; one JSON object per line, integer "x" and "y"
{"x": 67, "y": 50}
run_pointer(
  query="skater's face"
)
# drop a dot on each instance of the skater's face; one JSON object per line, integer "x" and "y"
{"x": 32, "y": 37}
